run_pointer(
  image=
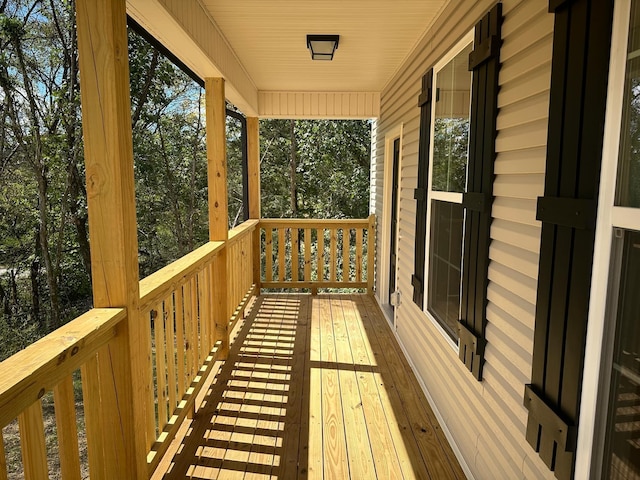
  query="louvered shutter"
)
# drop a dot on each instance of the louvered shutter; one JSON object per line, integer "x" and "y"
{"x": 484, "y": 61}
{"x": 420, "y": 194}
{"x": 581, "y": 44}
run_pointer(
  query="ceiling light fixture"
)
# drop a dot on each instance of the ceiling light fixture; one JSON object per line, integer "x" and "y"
{"x": 322, "y": 46}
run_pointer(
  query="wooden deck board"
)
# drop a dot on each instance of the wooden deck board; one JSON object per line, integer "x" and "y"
{"x": 315, "y": 387}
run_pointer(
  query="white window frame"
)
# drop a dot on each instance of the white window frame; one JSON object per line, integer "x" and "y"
{"x": 452, "y": 197}
{"x": 600, "y": 333}
{"x": 383, "y": 295}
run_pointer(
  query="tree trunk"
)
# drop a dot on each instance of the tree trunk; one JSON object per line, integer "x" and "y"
{"x": 39, "y": 170}
{"x": 35, "y": 292}
{"x": 4, "y": 298}
{"x": 13, "y": 285}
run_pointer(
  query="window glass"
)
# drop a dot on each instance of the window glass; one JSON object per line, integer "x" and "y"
{"x": 451, "y": 99}
{"x": 622, "y": 441}
{"x": 628, "y": 190}
{"x": 445, "y": 264}
{"x": 621, "y": 458}
{"x": 451, "y": 125}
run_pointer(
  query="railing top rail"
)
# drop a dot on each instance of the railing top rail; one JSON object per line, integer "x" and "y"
{"x": 157, "y": 285}
{"x": 242, "y": 230}
{"x": 314, "y": 223}
{"x": 28, "y": 374}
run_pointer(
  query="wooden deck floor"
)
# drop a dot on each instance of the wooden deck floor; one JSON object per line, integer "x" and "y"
{"x": 315, "y": 387}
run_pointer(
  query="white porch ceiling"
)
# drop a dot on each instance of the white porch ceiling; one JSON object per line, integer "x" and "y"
{"x": 269, "y": 39}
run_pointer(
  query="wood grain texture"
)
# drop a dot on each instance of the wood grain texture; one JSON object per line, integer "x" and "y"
{"x": 217, "y": 158}
{"x": 32, "y": 443}
{"x": 253, "y": 170}
{"x": 65, "y": 407}
{"x": 35, "y": 370}
{"x": 158, "y": 285}
{"x": 106, "y": 121}
{"x": 307, "y": 393}
{"x": 3, "y": 459}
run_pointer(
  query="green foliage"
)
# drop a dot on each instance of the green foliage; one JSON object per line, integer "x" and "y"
{"x": 309, "y": 168}
{"x": 332, "y": 160}
{"x": 169, "y": 157}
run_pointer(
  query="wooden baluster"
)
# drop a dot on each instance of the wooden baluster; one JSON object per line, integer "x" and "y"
{"x": 307, "y": 254}
{"x": 295, "y": 262}
{"x": 171, "y": 351}
{"x": 346, "y": 253}
{"x": 151, "y": 435}
{"x": 188, "y": 327}
{"x": 359, "y": 241}
{"x": 202, "y": 317}
{"x": 371, "y": 252}
{"x": 93, "y": 419}
{"x": 65, "y": 409}
{"x": 34, "y": 452}
{"x": 195, "y": 319}
{"x": 161, "y": 367}
{"x": 320, "y": 255}
{"x": 282, "y": 253}
{"x": 333, "y": 258}
{"x": 248, "y": 264}
{"x": 234, "y": 273}
{"x": 150, "y": 411}
{"x": 3, "y": 459}
{"x": 220, "y": 265}
{"x": 180, "y": 344}
{"x": 268, "y": 247}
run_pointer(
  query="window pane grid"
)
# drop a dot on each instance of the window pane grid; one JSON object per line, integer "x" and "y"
{"x": 449, "y": 158}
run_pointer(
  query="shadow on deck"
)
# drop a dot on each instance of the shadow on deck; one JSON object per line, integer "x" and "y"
{"x": 314, "y": 387}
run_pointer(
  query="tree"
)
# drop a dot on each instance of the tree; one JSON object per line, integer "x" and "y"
{"x": 315, "y": 168}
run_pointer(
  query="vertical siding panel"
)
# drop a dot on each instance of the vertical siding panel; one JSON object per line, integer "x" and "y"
{"x": 307, "y": 104}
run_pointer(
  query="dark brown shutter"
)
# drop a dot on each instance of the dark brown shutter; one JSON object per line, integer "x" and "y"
{"x": 581, "y": 44}
{"x": 484, "y": 61}
{"x": 420, "y": 194}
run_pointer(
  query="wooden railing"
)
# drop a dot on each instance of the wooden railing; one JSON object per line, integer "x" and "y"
{"x": 179, "y": 307}
{"x": 178, "y": 303}
{"x": 46, "y": 365}
{"x": 240, "y": 257}
{"x": 312, "y": 254}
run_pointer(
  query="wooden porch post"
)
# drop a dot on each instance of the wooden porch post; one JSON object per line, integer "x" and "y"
{"x": 216, "y": 115}
{"x": 115, "y": 382}
{"x": 253, "y": 142}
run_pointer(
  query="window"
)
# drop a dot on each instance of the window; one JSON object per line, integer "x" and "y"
{"x": 621, "y": 432}
{"x": 455, "y": 188}
{"x": 450, "y": 103}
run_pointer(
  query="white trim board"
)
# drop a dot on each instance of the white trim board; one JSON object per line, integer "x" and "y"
{"x": 383, "y": 268}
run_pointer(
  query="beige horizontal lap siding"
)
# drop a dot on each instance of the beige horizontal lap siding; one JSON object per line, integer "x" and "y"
{"x": 486, "y": 420}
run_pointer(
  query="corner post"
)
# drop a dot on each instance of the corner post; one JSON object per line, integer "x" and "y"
{"x": 116, "y": 381}
{"x": 253, "y": 142}
{"x": 216, "y": 115}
